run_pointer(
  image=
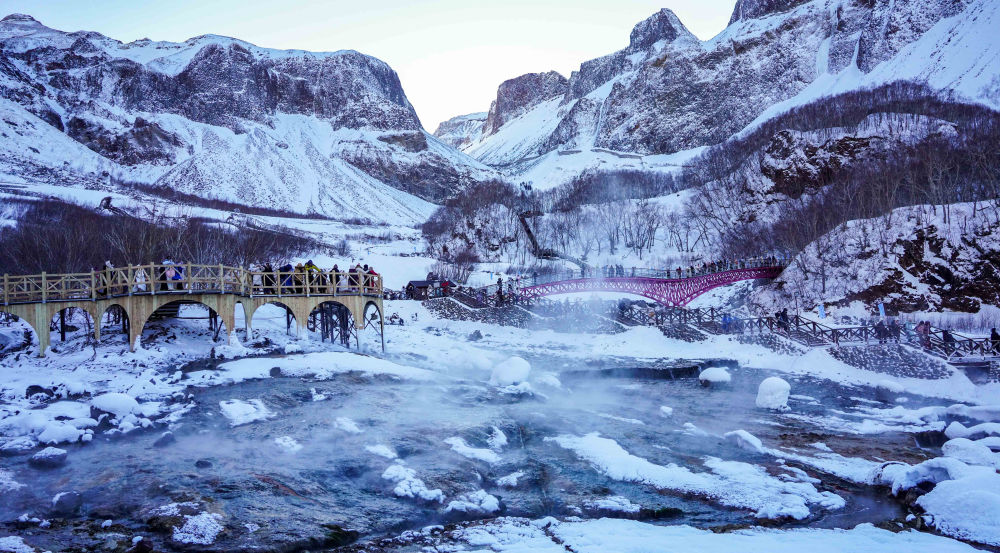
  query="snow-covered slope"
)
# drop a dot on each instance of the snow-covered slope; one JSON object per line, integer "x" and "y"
{"x": 329, "y": 133}
{"x": 668, "y": 92}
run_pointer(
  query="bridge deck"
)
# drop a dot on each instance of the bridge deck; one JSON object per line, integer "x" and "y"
{"x": 140, "y": 290}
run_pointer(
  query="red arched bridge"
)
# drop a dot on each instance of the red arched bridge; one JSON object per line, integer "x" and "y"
{"x": 674, "y": 288}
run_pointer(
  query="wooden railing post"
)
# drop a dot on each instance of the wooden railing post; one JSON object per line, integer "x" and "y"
{"x": 6, "y": 289}
{"x": 131, "y": 279}
{"x": 189, "y": 278}
{"x": 44, "y": 291}
{"x": 278, "y": 282}
{"x": 152, "y": 278}
{"x": 222, "y": 280}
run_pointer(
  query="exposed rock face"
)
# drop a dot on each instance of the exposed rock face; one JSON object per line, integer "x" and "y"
{"x": 460, "y": 131}
{"x": 669, "y": 92}
{"x": 751, "y": 9}
{"x": 518, "y": 95}
{"x": 222, "y": 118}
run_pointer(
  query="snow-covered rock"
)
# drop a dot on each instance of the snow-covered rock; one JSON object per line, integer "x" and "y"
{"x": 511, "y": 371}
{"x": 116, "y": 403}
{"x": 773, "y": 394}
{"x": 477, "y": 502}
{"x": 970, "y": 452}
{"x": 241, "y": 412}
{"x": 714, "y": 375}
{"x": 745, "y": 440}
{"x": 50, "y": 457}
{"x": 408, "y": 485}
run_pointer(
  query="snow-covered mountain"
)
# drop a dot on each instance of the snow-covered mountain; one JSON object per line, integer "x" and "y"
{"x": 656, "y": 103}
{"x": 318, "y": 132}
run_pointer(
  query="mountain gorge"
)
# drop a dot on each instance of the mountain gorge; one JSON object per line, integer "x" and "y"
{"x": 319, "y": 133}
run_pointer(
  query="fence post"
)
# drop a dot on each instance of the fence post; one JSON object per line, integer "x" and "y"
{"x": 278, "y": 282}
{"x": 44, "y": 291}
{"x": 6, "y": 291}
{"x": 152, "y": 278}
{"x": 131, "y": 279}
{"x": 222, "y": 283}
{"x": 189, "y": 278}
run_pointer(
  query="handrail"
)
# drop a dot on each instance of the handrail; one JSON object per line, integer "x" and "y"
{"x": 187, "y": 278}
{"x": 680, "y": 273}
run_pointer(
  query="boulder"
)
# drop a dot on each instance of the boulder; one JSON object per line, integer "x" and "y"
{"x": 48, "y": 458}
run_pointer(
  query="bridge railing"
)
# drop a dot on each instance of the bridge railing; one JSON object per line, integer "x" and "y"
{"x": 634, "y": 272}
{"x": 183, "y": 278}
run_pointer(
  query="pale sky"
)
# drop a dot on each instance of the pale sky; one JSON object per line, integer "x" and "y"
{"x": 450, "y": 54}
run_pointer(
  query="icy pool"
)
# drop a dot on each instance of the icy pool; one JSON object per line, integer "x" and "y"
{"x": 316, "y": 461}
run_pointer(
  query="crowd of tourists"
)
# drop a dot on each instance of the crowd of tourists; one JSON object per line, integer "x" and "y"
{"x": 309, "y": 278}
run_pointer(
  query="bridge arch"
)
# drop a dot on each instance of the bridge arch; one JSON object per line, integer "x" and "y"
{"x": 31, "y": 326}
{"x": 139, "y": 318}
{"x": 88, "y": 310}
{"x": 676, "y": 292}
{"x": 334, "y": 320}
{"x": 292, "y": 313}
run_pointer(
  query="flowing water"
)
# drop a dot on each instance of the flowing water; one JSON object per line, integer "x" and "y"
{"x": 331, "y": 490}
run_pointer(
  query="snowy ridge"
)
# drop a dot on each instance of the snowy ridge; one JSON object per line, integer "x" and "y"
{"x": 328, "y": 133}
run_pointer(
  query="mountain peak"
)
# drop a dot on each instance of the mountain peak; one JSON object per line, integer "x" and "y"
{"x": 662, "y": 25}
{"x": 19, "y": 17}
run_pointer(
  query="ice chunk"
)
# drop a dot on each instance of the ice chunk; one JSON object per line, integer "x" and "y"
{"x": 512, "y": 371}
{"x": 497, "y": 439}
{"x": 510, "y": 481}
{"x": 666, "y": 411}
{"x": 773, "y": 394}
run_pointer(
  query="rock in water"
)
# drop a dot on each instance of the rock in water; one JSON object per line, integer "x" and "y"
{"x": 512, "y": 371}
{"x": 773, "y": 394}
{"x": 714, "y": 375}
{"x": 475, "y": 336}
{"x": 48, "y": 458}
{"x": 745, "y": 440}
{"x": 66, "y": 503}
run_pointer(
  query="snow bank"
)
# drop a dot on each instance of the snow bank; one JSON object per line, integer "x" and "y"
{"x": 773, "y": 394}
{"x": 465, "y": 450}
{"x": 512, "y": 371}
{"x": 731, "y": 483}
{"x": 967, "y": 509}
{"x": 715, "y": 375}
{"x": 242, "y": 412}
{"x": 313, "y": 365}
{"x": 617, "y": 535}
{"x": 615, "y": 503}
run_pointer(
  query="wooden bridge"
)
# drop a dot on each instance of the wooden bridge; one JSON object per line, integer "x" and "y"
{"x": 138, "y": 291}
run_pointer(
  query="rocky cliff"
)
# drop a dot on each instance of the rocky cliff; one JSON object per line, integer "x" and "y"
{"x": 668, "y": 93}
{"x": 222, "y": 118}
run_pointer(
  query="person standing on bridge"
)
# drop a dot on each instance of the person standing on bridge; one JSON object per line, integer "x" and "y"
{"x": 106, "y": 278}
